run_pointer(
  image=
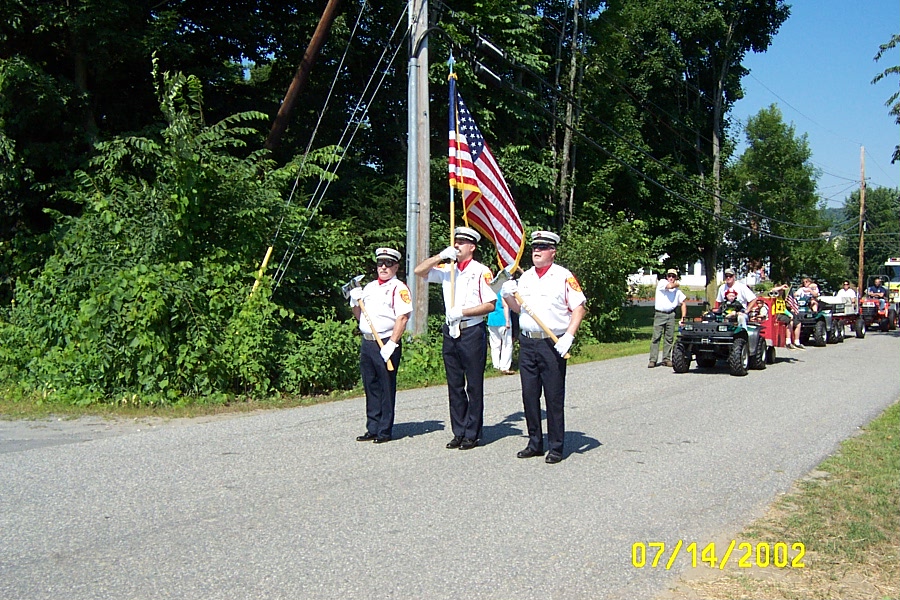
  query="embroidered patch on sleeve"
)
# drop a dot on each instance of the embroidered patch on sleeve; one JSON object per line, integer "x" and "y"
{"x": 573, "y": 283}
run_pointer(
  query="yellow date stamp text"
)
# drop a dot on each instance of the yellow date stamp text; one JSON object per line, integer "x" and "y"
{"x": 655, "y": 555}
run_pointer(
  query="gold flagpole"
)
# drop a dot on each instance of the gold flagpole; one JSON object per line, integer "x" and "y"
{"x": 452, "y": 192}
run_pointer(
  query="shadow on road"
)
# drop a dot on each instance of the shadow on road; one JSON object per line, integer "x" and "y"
{"x": 404, "y": 430}
{"x": 579, "y": 443}
{"x": 504, "y": 428}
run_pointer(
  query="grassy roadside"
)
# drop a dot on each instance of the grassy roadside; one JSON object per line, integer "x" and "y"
{"x": 847, "y": 515}
{"x": 637, "y": 323}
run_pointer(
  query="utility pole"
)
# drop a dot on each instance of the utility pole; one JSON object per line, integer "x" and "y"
{"x": 862, "y": 213}
{"x": 418, "y": 180}
{"x": 565, "y": 169}
{"x": 302, "y": 74}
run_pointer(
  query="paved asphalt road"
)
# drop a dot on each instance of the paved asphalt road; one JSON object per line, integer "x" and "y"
{"x": 285, "y": 504}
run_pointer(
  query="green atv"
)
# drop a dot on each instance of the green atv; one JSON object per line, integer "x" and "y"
{"x": 820, "y": 327}
{"x": 714, "y": 338}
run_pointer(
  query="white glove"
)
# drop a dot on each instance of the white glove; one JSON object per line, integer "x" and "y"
{"x": 388, "y": 349}
{"x": 454, "y": 313}
{"x": 355, "y": 295}
{"x": 509, "y": 288}
{"x": 449, "y": 253}
{"x": 565, "y": 342}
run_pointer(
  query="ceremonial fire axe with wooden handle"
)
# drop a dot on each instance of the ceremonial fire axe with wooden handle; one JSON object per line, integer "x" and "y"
{"x": 537, "y": 320}
{"x": 497, "y": 282}
{"x": 346, "y": 288}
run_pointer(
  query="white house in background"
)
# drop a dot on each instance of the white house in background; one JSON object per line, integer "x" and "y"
{"x": 691, "y": 275}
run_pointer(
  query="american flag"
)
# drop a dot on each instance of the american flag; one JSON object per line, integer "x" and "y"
{"x": 488, "y": 206}
{"x": 792, "y": 303}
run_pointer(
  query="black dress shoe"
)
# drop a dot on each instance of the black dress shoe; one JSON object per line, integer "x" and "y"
{"x": 381, "y": 440}
{"x": 553, "y": 458}
{"x": 467, "y": 444}
{"x": 455, "y": 442}
{"x": 529, "y": 453}
{"x": 366, "y": 437}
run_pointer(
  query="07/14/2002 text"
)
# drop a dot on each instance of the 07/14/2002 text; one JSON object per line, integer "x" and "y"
{"x": 761, "y": 554}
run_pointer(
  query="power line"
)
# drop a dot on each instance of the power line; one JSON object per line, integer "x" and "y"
{"x": 799, "y": 112}
{"x": 315, "y": 132}
{"x": 653, "y": 181}
{"x": 877, "y": 164}
{"x": 574, "y": 101}
{"x": 358, "y": 114}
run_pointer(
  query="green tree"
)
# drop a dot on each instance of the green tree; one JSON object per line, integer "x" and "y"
{"x": 76, "y": 73}
{"x": 601, "y": 254}
{"x": 893, "y": 101}
{"x": 882, "y": 238}
{"x": 771, "y": 199}
{"x": 673, "y": 70}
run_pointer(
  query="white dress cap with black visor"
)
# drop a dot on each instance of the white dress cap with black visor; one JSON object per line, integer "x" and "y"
{"x": 467, "y": 234}
{"x": 387, "y": 254}
{"x": 545, "y": 237}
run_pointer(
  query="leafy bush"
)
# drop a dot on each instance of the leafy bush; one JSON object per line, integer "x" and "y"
{"x": 763, "y": 287}
{"x": 601, "y": 255}
{"x": 645, "y": 290}
{"x": 324, "y": 356}
{"x": 423, "y": 362}
{"x": 147, "y": 294}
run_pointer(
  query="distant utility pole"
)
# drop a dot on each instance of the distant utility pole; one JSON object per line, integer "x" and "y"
{"x": 418, "y": 179}
{"x": 302, "y": 75}
{"x": 862, "y": 213}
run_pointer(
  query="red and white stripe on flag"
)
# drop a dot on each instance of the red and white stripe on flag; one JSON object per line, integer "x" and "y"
{"x": 488, "y": 204}
{"x": 793, "y": 306}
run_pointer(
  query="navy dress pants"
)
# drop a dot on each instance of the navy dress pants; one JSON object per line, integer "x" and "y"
{"x": 542, "y": 369}
{"x": 464, "y": 359}
{"x": 380, "y": 386}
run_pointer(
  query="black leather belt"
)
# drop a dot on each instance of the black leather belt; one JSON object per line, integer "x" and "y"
{"x": 666, "y": 312}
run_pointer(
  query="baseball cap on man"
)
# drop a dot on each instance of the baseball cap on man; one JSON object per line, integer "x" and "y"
{"x": 672, "y": 272}
{"x": 544, "y": 237}
{"x": 467, "y": 233}
{"x": 387, "y": 253}
{"x": 729, "y": 271}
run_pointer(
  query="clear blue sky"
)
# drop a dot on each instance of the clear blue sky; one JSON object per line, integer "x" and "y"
{"x": 818, "y": 71}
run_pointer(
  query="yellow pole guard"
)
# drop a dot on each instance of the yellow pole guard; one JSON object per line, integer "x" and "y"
{"x": 262, "y": 270}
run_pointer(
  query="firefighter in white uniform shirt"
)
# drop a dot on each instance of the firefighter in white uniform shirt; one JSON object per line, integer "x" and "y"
{"x": 388, "y": 305}
{"x": 553, "y": 294}
{"x": 464, "y": 346}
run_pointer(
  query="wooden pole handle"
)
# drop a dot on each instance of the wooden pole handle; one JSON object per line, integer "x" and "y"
{"x": 537, "y": 320}
{"x": 362, "y": 307}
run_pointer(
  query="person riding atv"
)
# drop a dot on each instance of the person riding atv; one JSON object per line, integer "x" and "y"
{"x": 874, "y": 309}
{"x": 724, "y": 333}
{"x": 809, "y": 291}
{"x": 733, "y": 310}
{"x": 877, "y": 290}
{"x": 816, "y": 321}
